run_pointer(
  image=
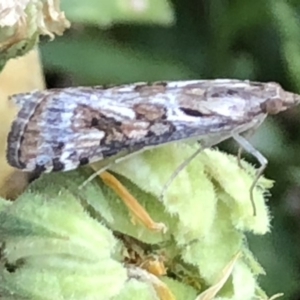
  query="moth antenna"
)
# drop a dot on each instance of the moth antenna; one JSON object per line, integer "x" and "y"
{"x": 246, "y": 145}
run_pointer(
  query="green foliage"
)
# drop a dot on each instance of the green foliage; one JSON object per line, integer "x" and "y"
{"x": 68, "y": 243}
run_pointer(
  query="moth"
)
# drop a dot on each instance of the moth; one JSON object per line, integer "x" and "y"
{"x": 62, "y": 129}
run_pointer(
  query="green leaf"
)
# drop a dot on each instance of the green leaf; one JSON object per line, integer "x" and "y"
{"x": 102, "y": 61}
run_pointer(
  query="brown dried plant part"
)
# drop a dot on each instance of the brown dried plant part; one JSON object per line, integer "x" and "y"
{"x": 135, "y": 208}
{"x": 162, "y": 290}
{"x": 211, "y": 293}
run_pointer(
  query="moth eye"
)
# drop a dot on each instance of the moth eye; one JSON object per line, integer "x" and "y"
{"x": 191, "y": 112}
{"x": 94, "y": 122}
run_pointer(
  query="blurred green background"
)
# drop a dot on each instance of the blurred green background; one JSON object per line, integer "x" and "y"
{"x": 121, "y": 41}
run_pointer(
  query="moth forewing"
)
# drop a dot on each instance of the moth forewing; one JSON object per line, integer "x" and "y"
{"x": 62, "y": 129}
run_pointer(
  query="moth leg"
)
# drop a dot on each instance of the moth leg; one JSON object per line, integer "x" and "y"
{"x": 184, "y": 164}
{"x": 261, "y": 159}
{"x": 133, "y": 205}
{"x": 177, "y": 171}
{"x": 249, "y": 133}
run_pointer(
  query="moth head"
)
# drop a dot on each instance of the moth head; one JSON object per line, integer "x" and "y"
{"x": 282, "y": 101}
